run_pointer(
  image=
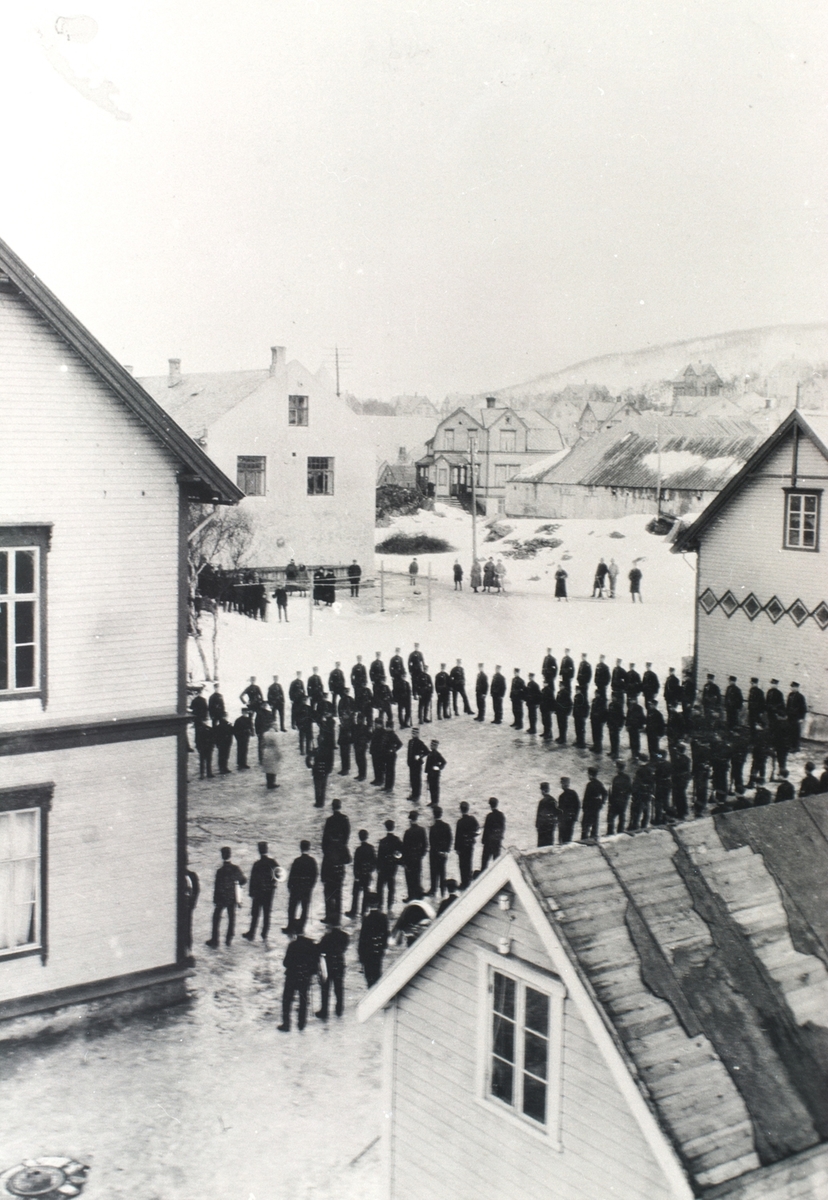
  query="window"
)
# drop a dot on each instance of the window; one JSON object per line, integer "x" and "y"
{"x": 448, "y": 439}
{"x": 250, "y": 474}
{"x": 297, "y": 410}
{"x": 508, "y": 439}
{"x": 520, "y": 1074}
{"x": 504, "y": 471}
{"x": 23, "y": 817}
{"x": 801, "y": 520}
{"x": 320, "y": 476}
{"x": 442, "y": 477}
{"x": 22, "y": 611}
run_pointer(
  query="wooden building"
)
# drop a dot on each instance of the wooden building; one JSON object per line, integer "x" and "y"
{"x": 95, "y": 481}
{"x": 762, "y": 577}
{"x": 643, "y": 1019}
{"x": 702, "y": 382}
{"x": 304, "y": 460}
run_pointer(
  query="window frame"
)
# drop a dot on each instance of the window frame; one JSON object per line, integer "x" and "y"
{"x": 326, "y": 472}
{"x": 302, "y": 411}
{"x": 786, "y": 528}
{"x": 32, "y": 537}
{"x": 524, "y": 975}
{"x": 20, "y": 799}
{"x": 252, "y": 471}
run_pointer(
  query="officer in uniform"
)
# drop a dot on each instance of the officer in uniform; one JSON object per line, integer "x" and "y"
{"x": 755, "y": 703}
{"x": 434, "y": 764}
{"x": 517, "y": 695}
{"x": 396, "y": 667}
{"x": 336, "y": 684}
{"x": 497, "y": 692}
{"x": 797, "y": 710}
{"x": 580, "y": 714}
{"x": 389, "y": 857}
{"x": 549, "y": 668}
{"x": 377, "y": 749}
{"x": 415, "y": 845}
{"x": 262, "y": 889}
{"x": 642, "y": 794}
{"x": 301, "y": 882}
{"x": 733, "y": 702}
{"x": 465, "y": 835}
{"x": 332, "y": 948}
{"x": 635, "y": 722}
{"x": 391, "y": 745}
{"x": 425, "y": 690}
{"x": 595, "y": 795}
{"x": 569, "y": 805}
{"x": 672, "y": 689}
{"x": 345, "y": 739}
{"x": 365, "y": 863}
{"x": 602, "y": 676}
{"x": 481, "y": 691}
{"x": 373, "y": 939}
{"x": 402, "y": 698}
{"x": 615, "y": 723}
{"x": 442, "y": 686}
{"x": 316, "y": 690}
{"x": 547, "y": 708}
{"x": 711, "y": 696}
{"x": 359, "y": 676}
{"x": 301, "y": 962}
{"x": 533, "y": 696}
{"x": 681, "y": 778}
{"x": 567, "y": 668}
{"x": 650, "y": 684}
{"x": 276, "y": 700}
{"x": 224, "y": 897}
{"x": 563, "y": 709}
{"x": 376, "y": 671}
{"x": 458, "y": 688}
{"x": 584, "y": 676}
{"x": 597, "y": 720}
{"x": 416, "y": 754}
{"x": 362, "y": 737}
{"x": 619, "y": 798}
{"x": 494, "y": 828}
{"x": 656, "y": 728}
{"x": 296, "y": 695}
{"x": 439, "y": 846}
{"x": 546, "y": 818}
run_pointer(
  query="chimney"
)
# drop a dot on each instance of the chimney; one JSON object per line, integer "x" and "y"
{"x": 491, "y": 402}
{"x": 401, "y": 455}
{"x": 175, "y": 372}
{"x": 278, "y": 358}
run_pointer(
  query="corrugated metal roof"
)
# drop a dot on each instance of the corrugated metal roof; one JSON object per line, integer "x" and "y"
{"x": 696, "y": 455}
{"x": 535, "y": 471}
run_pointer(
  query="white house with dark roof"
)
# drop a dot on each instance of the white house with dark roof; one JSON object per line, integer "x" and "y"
{"x": 643, "y": 1019}
{"x": 762, "y": 576}
{"x": 95, "y": 485}
{"x": 298, "y": 452}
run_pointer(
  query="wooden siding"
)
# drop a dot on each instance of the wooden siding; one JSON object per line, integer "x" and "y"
{"x": 111, "y": 867}
{"x": 72, "y": 456}
{"x": 483, "y": 1153}
{"x": 742, "y": 551}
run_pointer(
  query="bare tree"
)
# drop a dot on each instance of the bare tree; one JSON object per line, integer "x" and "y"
{"x": 217, "y": 537}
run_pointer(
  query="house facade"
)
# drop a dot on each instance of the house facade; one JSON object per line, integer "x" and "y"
{"x": 762, "y": 576}
{"x": 499, "y": 440}
{"x": 634, "y": 1019}
{"x": 93, "y": 591}
{"x": 296, "y": 450}
{"x": 702, "y": 382}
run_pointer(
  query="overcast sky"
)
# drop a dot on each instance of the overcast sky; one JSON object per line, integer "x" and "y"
{"x": 462, "y": 195}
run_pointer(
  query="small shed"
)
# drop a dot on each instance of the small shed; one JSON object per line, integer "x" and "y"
{"x": 643, "y": 1019}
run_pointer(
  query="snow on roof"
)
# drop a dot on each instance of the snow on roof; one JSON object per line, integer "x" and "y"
{"x": 533, "y": 472}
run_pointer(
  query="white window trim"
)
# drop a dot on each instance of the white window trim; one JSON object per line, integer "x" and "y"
{"x": 550, "y": 985}
{"x": 802, "y": 492}
{"x": 12, "y": 597}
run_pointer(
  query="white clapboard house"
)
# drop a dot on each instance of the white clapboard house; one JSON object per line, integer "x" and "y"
{"x": 640, "y": 1019}
{"x": 95, "y": 481}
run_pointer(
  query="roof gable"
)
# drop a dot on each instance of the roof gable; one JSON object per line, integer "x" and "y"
{"x": 204, "y": 476}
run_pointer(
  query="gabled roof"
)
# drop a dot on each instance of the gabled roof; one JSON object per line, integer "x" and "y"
{"x": 701, "y": 948}
{"x": 204, "y": 477}
{"x": 197, "y": 401}
{"x": 695, "y": 455}
{"x": 812, "y": 425}
{"x": 456, "y": 413}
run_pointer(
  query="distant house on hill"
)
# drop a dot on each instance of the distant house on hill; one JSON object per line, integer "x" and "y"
{"x": 96, "y": 482}
{"x": 295, "y": 449}
{"x": 503, "y": 441}
{"x": 703, "y": 381}
{"x": 414, "y": 406}
{"x": 642, "y": 1018}
{"x": 402, "y": 473}
{"x": 762, "y": 577}
{"x": 683, "y": 462}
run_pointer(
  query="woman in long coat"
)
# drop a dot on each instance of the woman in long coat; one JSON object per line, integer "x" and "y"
{"x": 271, "y": 755}
{"x": 560, "y": 583}
{"x": 476, "y": 577}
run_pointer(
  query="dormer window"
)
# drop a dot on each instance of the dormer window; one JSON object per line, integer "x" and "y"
{"x": 448, "y": 439}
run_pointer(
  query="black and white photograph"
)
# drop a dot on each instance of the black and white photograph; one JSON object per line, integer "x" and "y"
{"x": 414, "y": 600}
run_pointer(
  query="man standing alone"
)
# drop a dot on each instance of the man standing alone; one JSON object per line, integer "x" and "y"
{"x": 224, "y": 897}
{"x": 262, "y": 890}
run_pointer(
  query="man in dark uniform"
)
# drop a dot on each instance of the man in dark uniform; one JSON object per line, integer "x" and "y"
{"x": 442, "y": 687}
{"x": 517, "y": 695}
{"x": 642, "y": 794}
{"x": 662, "y": 787}
{"x": 439, "y": 846}
{"x": 497, "y": 692}
{"x": 711, "y": 696}
{"x": 569, "y": 805}
{"x": 632, "y": 684}
{"x": 365, "y": 863}
{"x": 584, "y": 676}
{"x": 321, "y": 767}
{"x": 549, "y": 668}
{"x": 389, "y": 857}
{"x": 755, "y": 703}
{"x": 465, "y": 835}
{"x": 296, "y": 695}
{"x": 580, "y": 715}
{"x": 204, "y": 745}
{"x": 567, "y": 668}
{"x": 376, "y": 671}
{"x": 301, "y": 963}
{"x": 336, "y": 684}
{"x": 425, "y": 689}
{"x": 362, "y": 738}
{"x": 276, "y": 700}
{"x": 681, "y": 778}
{"x": 396, "y": 667}
{"x": 676, "y": 726}
{"x": 391, "y": 745}
{"x": 252, "y": 695}
{"x": 733, "y": 702}
{"x": 650, "y": 684}
{"x": 563, "y": 708}
{"x": 602, "y": 676}
{"x": 382, "y": 700}
{"x": 786, "y": 790}
{"x": 481, "y": 691}
{"x": 192, "y": 890}
{"x": 199, "y": 707}
{"x": 262, "y": 889}
{"x": 597, "y": 720}
{"x": 373, "y": 939}
{"x": 301, "y": 882}
{"x": 354, "y": 576}
{"x": 416, "y": 666}
{"x": 345, "y": 739}
{"x": 216, "y": 707}
{"x": 615, "y": 723}
{"x": 672, "y": 689}
{"x": 434, "y": 765}
{"x": 416, "y": 754}
{"x": 335, "y": 858}
{"x": 377, "y": 751}
{"x": 760, "y": 745}
{"x": 223, "y": 738}
{"x": 359, "y": 676}
{"x": 533, "y": 696}
{"x": 224, "y": 897}
{"x": 595, "y": 795}
{"x": 546, "y": 818}
{"x": 547, "y": 708}
{"x": 618, "y": 682}
{"x": 619, "y": 798}
{"x": 316, "y": 689}
{"x": 415, "y": 845}
{"x": 332, "y": 948}
{"x": 809, "y": 784}
{"x": 797, "y": 710}
{"x": 458, "y": 688}
{"x": 494, "y": 827}
{"x": 635, "y": 722}
{"x": 402, "y": 698}
{"x": 656, "y": 728}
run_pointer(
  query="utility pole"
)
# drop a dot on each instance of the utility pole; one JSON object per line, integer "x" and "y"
{"x": 336, "y": 356}
{"x": 310, "y": 603}
{"x": 472, "y": 447}
{"x": 658, "y": 451}
{"x": 429, "y": 591}
{"x": 382, "y": 585}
